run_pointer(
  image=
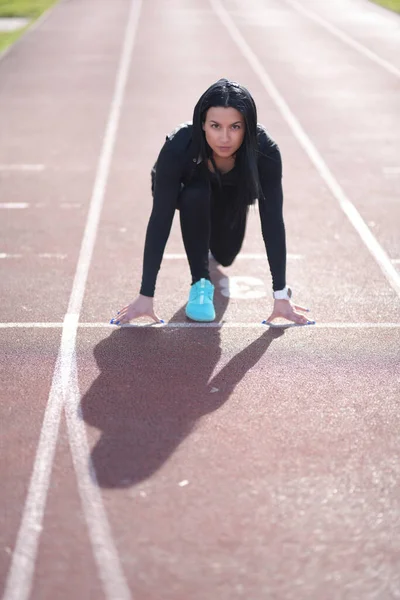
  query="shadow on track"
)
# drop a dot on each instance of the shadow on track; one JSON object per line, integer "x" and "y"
{"x": 153, "y": 387}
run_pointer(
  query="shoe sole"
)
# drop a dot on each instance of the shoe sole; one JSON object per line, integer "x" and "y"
{"x": 200, "y": 320}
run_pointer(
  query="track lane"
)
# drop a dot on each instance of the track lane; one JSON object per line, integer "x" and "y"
{"x": 25, "y": 380}
{"x": 53, "y": 109}
{"x": 19, "y": 581}
{"x": 171, "y": 460}
{"x": 322, "y": 83}
{"x": 262, "y": 447}
{"x": 332, "y": 248}
{"x": 361, "y": 21}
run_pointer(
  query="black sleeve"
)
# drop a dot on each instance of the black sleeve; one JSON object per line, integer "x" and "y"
{"x": 271, "y": 214}
{"x": 167, "y": 186}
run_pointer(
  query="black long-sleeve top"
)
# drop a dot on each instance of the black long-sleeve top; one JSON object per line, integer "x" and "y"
{"x": 173, "y": 168}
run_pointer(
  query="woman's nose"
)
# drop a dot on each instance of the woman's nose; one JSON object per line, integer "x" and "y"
{"x": 224, "y": 135}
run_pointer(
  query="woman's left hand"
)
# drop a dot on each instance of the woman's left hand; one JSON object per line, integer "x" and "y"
{"x": 286, "y": 310}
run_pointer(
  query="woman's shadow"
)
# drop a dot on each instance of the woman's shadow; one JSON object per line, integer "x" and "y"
{"x": 153, "y": 388}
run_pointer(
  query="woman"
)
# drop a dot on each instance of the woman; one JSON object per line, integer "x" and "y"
{"x": 211, "y": 171}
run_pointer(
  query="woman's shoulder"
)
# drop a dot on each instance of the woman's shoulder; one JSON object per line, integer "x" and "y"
{"x": 266, "y": 144}
{"x": 179, "y": 138}
{"x": 175, "y": 152}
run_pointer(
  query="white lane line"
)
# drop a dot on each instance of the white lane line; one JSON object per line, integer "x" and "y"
{"x": 241, "y": 256}
{"x": 396, "y": 261}
{"x": 99, "y": 529}
{"x": 346, "y": 205}
{"x": 52, "y": 255}
{"x": 29, "y": 325}
{"x": 227, "y": 325}
{"x": 391, "y": 171}
{"x": 248, "y": 256}
{"x": 19, "y": 582}
{"x": 11, "y": 205}
{"x": 23, "y": 559}
{"x": 69, "y": 205}
{"x": 172, "y": 324}
{"x": 344, "y": 37}
{"x": 21, "y": 205}
{"x": 41, "y": 255}
{"x": 22, "y": 167}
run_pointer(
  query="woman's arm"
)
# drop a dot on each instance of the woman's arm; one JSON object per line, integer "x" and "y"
{"x": 273, "y": 230}
{"x": 271, "y": 215}
{"x": 166, "y": 190}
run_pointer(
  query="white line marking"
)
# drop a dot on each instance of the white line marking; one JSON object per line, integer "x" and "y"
{"x": 259, "y": 325}
{"x": 172, "y": 324}
{"x": 396, "y": 261}
{"x": 344, "y": 37}
{"x": 23, "y": 558}
{"x": 241, "y": 256}
{"x": 391, "y": 170}
{"x": 242, "y": 287}
{"x": 68, "y": 205}
{"x": 50, "y": 255}
{"x": 347, "y": 206}
{"x": 22, "y": 167}
{"x": 11, "y": 205}
{"x": 20, "y": 577}
{"x": 41, "y": 255}
{"x": 99, "y": 529}
{"x": 29, "y": 325}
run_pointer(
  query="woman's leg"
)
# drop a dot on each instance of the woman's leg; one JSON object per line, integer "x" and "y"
{"x": 208, "y": 223}
{"x": 227, "y": 232}
{"x": 194, "y": 208}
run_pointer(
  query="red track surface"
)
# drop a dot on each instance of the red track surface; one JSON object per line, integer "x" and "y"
{"x": 213, "y": 462}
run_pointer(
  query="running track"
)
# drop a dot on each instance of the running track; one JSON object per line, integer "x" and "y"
{"x": 185, "y": 462}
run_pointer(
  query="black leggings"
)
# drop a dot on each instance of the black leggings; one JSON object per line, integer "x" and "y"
{"x": 208, "y": 223}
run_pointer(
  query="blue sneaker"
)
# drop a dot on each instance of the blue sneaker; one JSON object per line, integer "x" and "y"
{"x": 200, "y": 306}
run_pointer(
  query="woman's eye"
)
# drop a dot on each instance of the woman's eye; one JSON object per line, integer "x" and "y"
{"x": 214, "y": 125}
{"x": 235, "y": 126}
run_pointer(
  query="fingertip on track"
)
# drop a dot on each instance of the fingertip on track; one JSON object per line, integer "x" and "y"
{"x": 286, "y": 325}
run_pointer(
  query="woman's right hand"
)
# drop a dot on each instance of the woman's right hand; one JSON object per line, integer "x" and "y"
{"x": 143, "y": 306}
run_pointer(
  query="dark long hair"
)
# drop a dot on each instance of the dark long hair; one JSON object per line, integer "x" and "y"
{"x": 228, "y": 93}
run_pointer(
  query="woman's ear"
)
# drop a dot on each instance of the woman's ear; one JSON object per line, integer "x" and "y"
{"x": 203, "y": 125}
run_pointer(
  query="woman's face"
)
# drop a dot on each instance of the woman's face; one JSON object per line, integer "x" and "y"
{"x": 224, "y": 129}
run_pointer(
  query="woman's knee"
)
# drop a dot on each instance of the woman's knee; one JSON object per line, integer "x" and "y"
{"x": 226, "y": 262}
{"x": 223, "y": 259}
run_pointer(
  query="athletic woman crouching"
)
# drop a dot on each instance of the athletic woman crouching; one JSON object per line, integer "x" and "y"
{"x": 212, "y": 170}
